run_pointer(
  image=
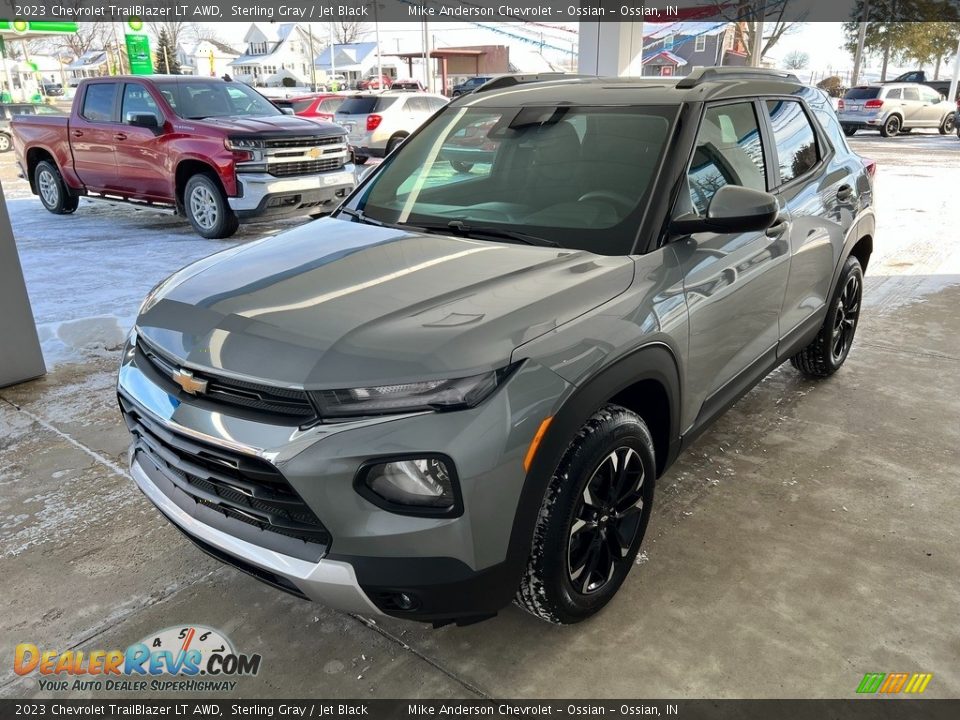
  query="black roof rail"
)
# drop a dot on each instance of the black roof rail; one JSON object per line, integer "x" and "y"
{"x": 719, "y": 74}
{"x": 505, "y": 81}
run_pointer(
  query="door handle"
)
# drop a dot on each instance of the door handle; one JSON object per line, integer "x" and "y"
{"x": 778, "y": 229}
{"x": 119, "y": 136}
{"x": 844, "y": 193}
{"x": 77, "y": 133}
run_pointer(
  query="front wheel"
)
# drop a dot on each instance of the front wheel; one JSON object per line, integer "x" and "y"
{"x": 829, "y": 349}
{"x": 54, "y": 194}
{"x": 4, "y": 143}
{"x": 207, "y": 209}
{"x": 891, "y": 128}
{"x": 461, "y": 167}
{"x": 850, "y": 130}
{"x": 592, "y": 520}
{"x": 360, "y": 159}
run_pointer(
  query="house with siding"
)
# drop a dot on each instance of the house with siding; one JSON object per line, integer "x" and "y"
{"x": 274, "y": 51}
{"x": 677, "y": 48}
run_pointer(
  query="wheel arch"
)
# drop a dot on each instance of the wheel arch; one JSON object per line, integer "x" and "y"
{"x": 185, "y": 170}
{"x": 34, "y": 157}
{"x": 647, "y": 381}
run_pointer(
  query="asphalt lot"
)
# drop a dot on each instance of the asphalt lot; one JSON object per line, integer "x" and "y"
{"x": 808, "y": 538}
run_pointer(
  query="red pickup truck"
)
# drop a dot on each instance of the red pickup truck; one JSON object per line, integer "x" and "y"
{"x": 216, "y": 151}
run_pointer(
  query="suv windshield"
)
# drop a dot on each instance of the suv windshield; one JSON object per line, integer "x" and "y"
{"x": 194, "y": 100}
{"x": 575, "y": 176}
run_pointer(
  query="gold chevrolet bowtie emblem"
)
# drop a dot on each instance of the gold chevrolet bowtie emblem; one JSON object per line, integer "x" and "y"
{"x": 314, "y": 153}
{"x": 190, "y": 384}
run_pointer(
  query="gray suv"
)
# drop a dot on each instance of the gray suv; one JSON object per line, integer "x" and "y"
{"x": 462, "y": 388}
{"x": 893, "y": 108}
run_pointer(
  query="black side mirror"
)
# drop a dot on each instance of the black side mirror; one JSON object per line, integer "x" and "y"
{"x": 732, "y": 209}
{"x": 144, "y": 120}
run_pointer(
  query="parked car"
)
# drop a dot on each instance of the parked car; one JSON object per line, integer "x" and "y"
{"x": 215, "y": 151}
{"x": 9, "y": 110}
{"x": 893, "y": 108}
{"x": 376, "y": 123}
{"x": 458, "y": 391}
{"x": 53, "y": 89}
{"x": 471, "y": 145}
{"x": 919, "y": 76}
{"x": 319, "y": 105}
{"x": 408, "y": 85}
{"x": 374, "y": 82}
{"x": 469, "y": 85}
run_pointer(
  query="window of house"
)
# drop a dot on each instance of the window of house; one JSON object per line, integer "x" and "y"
{"x": 700, "y": 44}
{"x": 795, "y": 138}
{"x": 668, "y": 42}
{"x": 728, "y": 152}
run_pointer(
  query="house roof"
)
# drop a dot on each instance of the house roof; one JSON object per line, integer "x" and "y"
{"x": 666, "y": 55}
{"x": 274, "y": 35}
{"x": 348, "y": 56}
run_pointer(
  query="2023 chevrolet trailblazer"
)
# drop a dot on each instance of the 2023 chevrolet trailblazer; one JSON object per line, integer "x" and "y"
{"x": 462, "y": 388}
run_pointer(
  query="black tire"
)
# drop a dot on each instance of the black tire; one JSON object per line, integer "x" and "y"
{"x": 54, "y": 194}
{"x": 394, "y": 142}
{"x": 5, "y": 143}
{"x": 830, "y": 348}
{"x": 461, "y": 167}
{"x": 949, "y": 122}
{"x": 360, "y": 159}
{"x": 563, "y": 582}
{"x": 207, "y": 209}
{"x": 850, "y": 130}
{"x": 891, "y": 128}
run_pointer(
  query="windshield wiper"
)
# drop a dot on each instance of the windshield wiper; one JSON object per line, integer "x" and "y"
{"x": 480, "y": 232}
{"x": 366, "y": 219}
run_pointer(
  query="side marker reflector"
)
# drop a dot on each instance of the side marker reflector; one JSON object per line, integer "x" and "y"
{"x": 535, "y": 443}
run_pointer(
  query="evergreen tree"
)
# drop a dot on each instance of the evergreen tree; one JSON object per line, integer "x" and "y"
{"x": 166, "y": 56}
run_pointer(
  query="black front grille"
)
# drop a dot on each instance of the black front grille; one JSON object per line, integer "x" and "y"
{"x": 280, "y": 402}
{"x": 305, "y": 167}
{"x": 242, "y": 487}
{"x": 306, "y": 142}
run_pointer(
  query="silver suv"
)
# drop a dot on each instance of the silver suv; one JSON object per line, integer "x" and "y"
{"x": 895, "y": 107}
{"x": 463, "y": 388}
{"x": 378, "y": 122}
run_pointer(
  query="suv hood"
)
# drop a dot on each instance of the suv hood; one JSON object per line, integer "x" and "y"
{"x": 336, "y": 304}
{"x": 267, "y": 125}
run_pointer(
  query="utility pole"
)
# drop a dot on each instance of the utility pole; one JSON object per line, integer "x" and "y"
{"x": 313, "y": 60}
{"x": 333, "y": 58}
{"x": 427, "y": 75}
{"x": 861, "y": 40}
{"x": 757, "y": 50}
{"x": 376, "y": 27}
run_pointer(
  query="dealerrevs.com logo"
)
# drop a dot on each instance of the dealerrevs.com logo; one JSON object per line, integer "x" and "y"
{"x": 193, "y": 658}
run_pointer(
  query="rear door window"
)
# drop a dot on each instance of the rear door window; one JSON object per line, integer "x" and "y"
{"x": 795, "y": 138}
{"x": 98, "y": 102}
{"x": 895, "y": 94}
{"x": 911, "y": 94}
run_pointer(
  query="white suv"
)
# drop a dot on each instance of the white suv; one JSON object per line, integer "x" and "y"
{"x": 377, "y": 122}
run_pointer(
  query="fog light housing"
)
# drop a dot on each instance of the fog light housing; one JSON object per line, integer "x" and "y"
{"x": 412, "y": 485}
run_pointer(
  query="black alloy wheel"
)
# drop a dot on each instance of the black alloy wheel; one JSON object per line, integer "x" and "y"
{"x": 845, "y": 318}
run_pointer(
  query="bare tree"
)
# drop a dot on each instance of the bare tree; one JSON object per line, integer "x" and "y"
{"x": 345, "y": 32}
{"x": 749, "y": 13}
{"x": 89, "y": 36}
{"x": 796, "y": 60}
{"x": 179, "y": 33}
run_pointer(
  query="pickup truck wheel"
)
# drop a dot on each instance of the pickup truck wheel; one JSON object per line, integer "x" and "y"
{"x": 592, "y": 520}
{"x": 829, "y": 349}
{"x": 207, "y": 209}
{"x": 54, "y": 193}
{"x": 4, "y": 143}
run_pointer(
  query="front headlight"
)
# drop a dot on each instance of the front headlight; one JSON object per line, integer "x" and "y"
{"x": 452, "y": 394}
{"x": 243, "y": 143}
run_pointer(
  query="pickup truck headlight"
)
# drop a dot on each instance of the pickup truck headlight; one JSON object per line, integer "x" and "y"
{"x": 452, "y": 394}
{"x": 243, "y": 143}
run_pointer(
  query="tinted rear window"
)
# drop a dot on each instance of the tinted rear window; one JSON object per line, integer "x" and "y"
{"x": 301, "y": 105}
{"x": 365, "y": 105}
{"x": 862, "y": 93}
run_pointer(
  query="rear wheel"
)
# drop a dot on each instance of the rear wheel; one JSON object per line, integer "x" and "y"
{"x": 4, "y": 143}
{"x": 360, "y": 159}
{"x": 395, "y": 143}
{"x": 592, "y": 520}
{"x": 462, "y": 167}
{"x": 849, "y": 130}
{"x": 891, "y": 128}
{"x": 53, "y": 191}
{"x": 829, "y": 349}
{"x": 948, "y": 124}
{"x": 207, "y": 208}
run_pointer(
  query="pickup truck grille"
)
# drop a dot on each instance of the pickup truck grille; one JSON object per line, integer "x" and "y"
{"x": 242, "y": 487}
{"x": 305, "y": 167}
{"x": 303, "y": 142}
{"x": 281, "y": 403}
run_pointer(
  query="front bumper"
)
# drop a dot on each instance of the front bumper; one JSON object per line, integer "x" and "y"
{"x": 456, "y": 568}
{"x": 268, "y": 196}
